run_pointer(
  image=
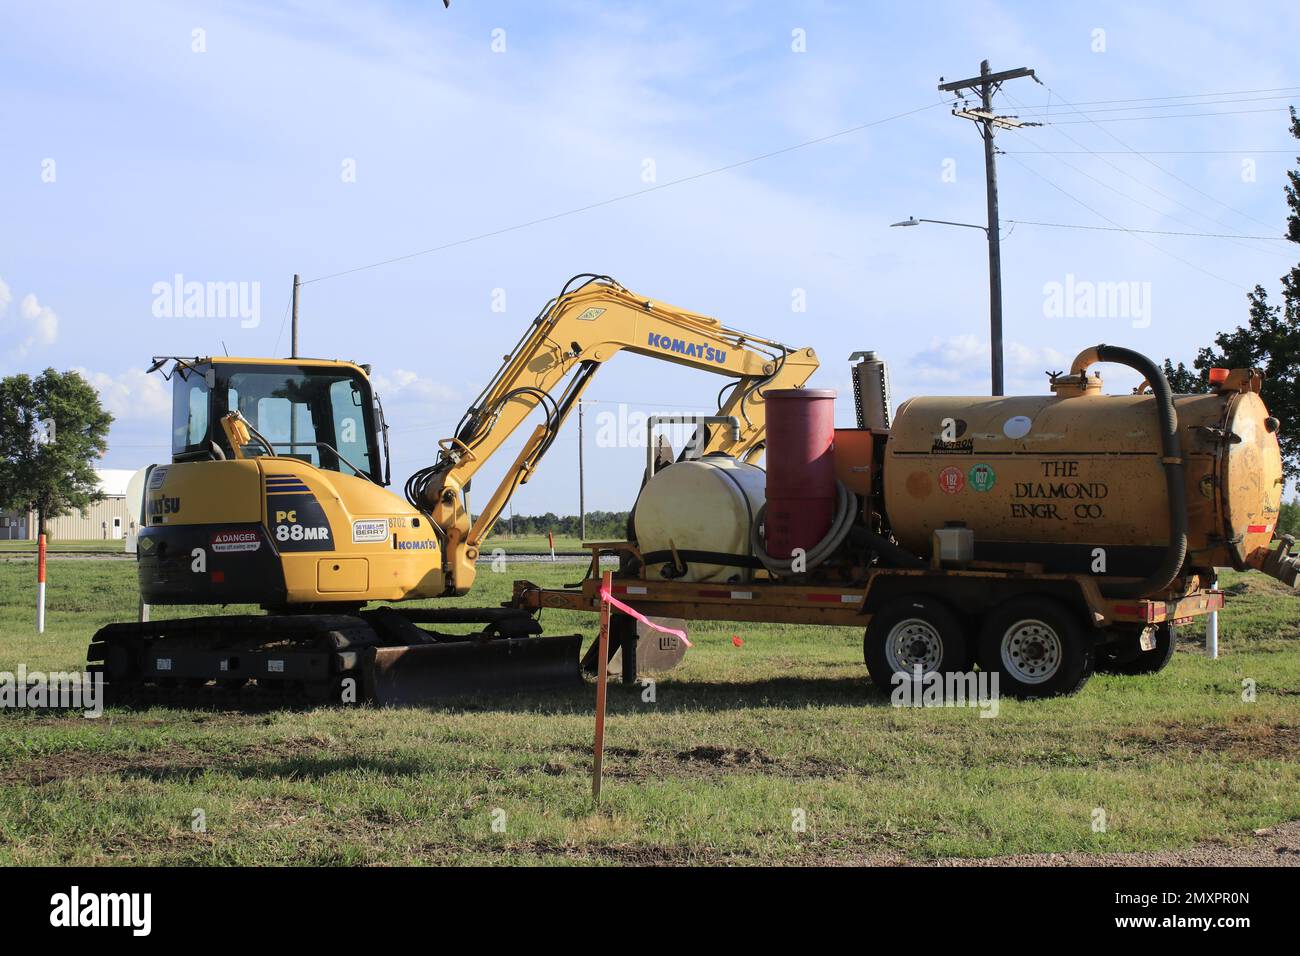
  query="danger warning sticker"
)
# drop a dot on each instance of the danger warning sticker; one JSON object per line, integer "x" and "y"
{"x": 228, "y": 541}
{"x": 951, "y": 480}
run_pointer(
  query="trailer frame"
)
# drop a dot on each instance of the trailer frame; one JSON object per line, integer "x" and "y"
{"x": 973, "y": 589}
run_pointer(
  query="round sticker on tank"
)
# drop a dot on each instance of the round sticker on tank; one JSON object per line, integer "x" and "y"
{"x": 1017, "y": 427}
{"x": 951, "y": 480}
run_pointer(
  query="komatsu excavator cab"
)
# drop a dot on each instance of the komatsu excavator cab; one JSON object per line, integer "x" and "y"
{"x": 321, "y": 412}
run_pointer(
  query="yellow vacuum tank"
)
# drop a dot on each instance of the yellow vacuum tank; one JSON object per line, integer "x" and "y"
{"x": 1051, "y": 479}
{"x": 700, "y": 509}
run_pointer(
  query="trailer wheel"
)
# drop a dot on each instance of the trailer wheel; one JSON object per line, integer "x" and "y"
{"x": 1124, "y": 661}
{"x": 910, "y": 632}
{"x": 1037, "y": 647}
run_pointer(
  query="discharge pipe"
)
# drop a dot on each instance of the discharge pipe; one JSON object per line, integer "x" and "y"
{"x": 1171, "y": 458}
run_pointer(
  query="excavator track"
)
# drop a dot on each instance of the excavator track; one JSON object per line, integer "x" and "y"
{"x": 287, "y": 660}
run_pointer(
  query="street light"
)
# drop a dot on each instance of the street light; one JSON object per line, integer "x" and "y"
{"x": 995, "y": 292}
{"x": 913, "y": 221}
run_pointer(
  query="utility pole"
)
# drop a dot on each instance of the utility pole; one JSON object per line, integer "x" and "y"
{"x": 293, "y": 353}
{"x": 987, "y": 84}
{"x": 582, "y": 492}
{"x": 293, "y": 339}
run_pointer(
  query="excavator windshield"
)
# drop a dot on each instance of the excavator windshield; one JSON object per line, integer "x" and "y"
{"x": 323, "y": 414}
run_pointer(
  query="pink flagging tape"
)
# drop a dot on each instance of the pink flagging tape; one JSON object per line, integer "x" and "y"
{"x": 633, "y": 612}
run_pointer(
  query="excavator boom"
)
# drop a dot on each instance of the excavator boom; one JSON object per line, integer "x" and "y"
{"x": 572, "y": 337}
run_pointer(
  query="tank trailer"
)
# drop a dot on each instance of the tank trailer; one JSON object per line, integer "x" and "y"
{"x": 1040, "y": 537}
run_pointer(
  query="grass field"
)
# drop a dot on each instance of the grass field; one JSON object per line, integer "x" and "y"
{"x": 739, "y": 743}
{"x": 531, "y": 543}
{"x": 96, "y": 544}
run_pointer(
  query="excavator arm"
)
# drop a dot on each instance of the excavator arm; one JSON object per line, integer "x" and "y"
{"x": 577, "y": 332}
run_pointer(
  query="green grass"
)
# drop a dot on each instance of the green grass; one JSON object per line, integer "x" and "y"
{"x": 532, "y": 543}
{"x": 94, "y": 544}
{"x": 738, "y": 739}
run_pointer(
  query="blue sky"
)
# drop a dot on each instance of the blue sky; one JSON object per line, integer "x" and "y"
{"x": 129, "y": 157}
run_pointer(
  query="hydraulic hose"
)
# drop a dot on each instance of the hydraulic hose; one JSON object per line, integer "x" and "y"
{"x": 888, "y": 551}
{"x": 1171, "y": 459}
{"x": 841, "y": 524}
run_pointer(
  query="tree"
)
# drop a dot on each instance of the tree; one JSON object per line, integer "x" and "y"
{"x": 1270, "y": 340}
{"x": 1288, "y": 521}
{"x": 1183, "y": 380}
{"x": 52, "y": 428}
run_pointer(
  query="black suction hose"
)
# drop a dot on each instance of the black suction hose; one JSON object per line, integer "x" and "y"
{"x": 1171, "y": 459}
{"x": 892, "y": 554}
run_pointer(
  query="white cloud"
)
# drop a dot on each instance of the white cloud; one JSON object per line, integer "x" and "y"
{"x": 29, "y": 326}
{"x": 403, "y": 385}
{"x": 963, "y": 360}
{"x": 133, "y": 395}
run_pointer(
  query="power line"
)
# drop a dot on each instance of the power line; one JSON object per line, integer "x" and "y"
{"x": 1161, "y": 152}
{"x": 1146, "y": 185}
{"x": 1154, "y": 232}
{"x": 1185, "y": 96}
{"x": 1131, "y": 119}
{"x": 1137, "y": 236}
{"x": 625, "y": 196}
{"x": 1174, "y": 176}
{"x": 1042, "y": 110}
{"x": 276, "y": 350}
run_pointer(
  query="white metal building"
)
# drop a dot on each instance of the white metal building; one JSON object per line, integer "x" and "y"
{"x": 109, "y": 519}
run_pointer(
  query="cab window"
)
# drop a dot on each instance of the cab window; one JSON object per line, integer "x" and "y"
{"x": 348, "y": 404}
{"x": 313, "y": 414}
{"x": 189, "y": 414}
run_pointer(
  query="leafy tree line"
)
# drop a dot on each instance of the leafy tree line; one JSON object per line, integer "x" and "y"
{"x": 52, "y": 428}
{"x": 610, "y": 525}
{"x": 1288, "y": 521}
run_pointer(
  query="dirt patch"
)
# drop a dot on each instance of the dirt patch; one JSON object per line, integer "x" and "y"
{"x": 727, "y": 756}
{"x": 625, "y": 854}
{"x": 1240, "y": 739}
{"x": 172, "y": 762}
{"x": 1275, "y": 846}
{"x": 632, "y": 763}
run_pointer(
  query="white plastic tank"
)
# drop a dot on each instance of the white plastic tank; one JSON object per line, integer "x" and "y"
{"x": 702, "y": 505}
{"x": 135, "y": 508}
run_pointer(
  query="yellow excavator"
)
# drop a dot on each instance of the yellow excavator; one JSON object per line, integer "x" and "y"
{"x": 275, "y": 496}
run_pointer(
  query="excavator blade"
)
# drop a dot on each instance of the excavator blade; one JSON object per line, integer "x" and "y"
{"x": 430, "y": 673}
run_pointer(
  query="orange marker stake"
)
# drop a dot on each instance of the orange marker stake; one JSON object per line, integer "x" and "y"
{"x": 602, "y": 686}
{"x": 40, "y": 586}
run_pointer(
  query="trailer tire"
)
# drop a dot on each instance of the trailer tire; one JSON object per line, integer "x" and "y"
{"x": 914, "y": 630}
{"x": 1037, "y": 647}
{"x": 1146, "y": 662}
